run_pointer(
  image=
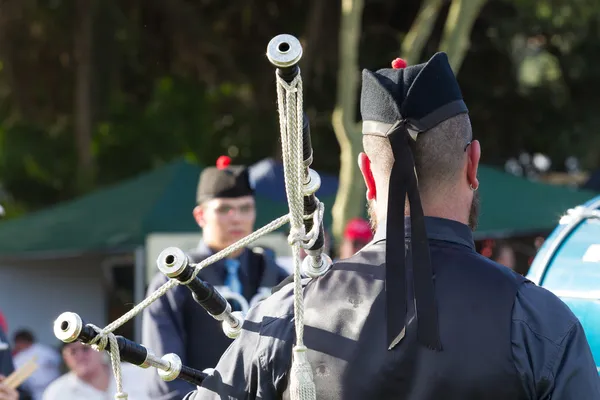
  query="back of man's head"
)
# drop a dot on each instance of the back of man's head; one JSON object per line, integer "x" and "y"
{"x": 439, "y": 158}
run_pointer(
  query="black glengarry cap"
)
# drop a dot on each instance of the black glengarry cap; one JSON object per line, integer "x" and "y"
{"x": 223, "y": 181}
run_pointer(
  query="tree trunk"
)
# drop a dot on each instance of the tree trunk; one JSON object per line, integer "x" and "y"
{"x": 82, "y": 100}
{"x": 457, "y": 31}
{"x": 350, "y": 197}
{"x": 314, "y": 33}
{"x": 12, "y": 22}
{"x": 420, "y": 31}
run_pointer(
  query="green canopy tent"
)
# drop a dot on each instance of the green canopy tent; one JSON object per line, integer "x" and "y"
{"x": 119, "y": 218}
{"x": 514, "y": 206}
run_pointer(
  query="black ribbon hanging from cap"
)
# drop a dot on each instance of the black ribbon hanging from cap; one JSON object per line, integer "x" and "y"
{"x": 403, "y": 182}
{"x": 418, "y": 97}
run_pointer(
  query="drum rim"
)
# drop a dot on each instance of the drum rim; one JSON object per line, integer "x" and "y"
{"x": 538, "y": 276}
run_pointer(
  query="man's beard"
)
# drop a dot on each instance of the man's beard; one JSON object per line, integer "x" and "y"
{"x": 372, "y": 214}
{"x": 473, "y": 213}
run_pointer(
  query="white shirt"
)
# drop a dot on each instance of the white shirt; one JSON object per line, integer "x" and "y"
{"x": 48, "y": 361}
{"x": 70, "y": 387}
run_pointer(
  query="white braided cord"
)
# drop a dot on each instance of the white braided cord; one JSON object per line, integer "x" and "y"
{"x": 290, "y": 105}
{"x": 99, "y": 344}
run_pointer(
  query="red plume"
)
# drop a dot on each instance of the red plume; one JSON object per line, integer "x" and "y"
{"x": 398, "y": 63}
{"x": 223, "y": 162}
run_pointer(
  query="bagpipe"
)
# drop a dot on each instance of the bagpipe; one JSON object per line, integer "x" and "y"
{"x": 568, "y": 264}
{"x": 306, "y": 231}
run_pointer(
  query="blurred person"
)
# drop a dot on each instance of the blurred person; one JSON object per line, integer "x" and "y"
{"x": 7, "y": 393}
{"x": 537, "y": 245}
{"x": 175, "y": 323}
{"x": 3, "y": 323}
{"x": 417, "y": 314}
{"x": 539, "y": 242}
{"x": 501, "y": 252}
{"x": 6, "y": 368}
{"x": 90, "y": 377}
{"x": 505, "y": 255}
{"x": 47, "y": 359}
{"x": 356, "y": 236}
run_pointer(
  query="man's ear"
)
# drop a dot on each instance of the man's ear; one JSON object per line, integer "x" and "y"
{"x": 365, "y": 168}
{"x": 198, "y": 213}
{"x": 474, "y": 155}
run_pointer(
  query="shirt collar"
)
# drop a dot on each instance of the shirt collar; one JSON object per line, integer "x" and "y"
{"x": 446, "y": 230}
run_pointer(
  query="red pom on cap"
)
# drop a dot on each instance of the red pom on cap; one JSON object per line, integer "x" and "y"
{"x": 223, "y": 162}
{"x": 398, "y": 63}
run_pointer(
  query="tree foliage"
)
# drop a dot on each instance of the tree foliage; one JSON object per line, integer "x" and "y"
{"x": 189, "y": 78}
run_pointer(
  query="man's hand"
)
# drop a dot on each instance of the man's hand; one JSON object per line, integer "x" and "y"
{"x": 7, "y": 393}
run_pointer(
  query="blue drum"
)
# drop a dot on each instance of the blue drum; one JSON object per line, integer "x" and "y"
{"x": 568, "y": 264}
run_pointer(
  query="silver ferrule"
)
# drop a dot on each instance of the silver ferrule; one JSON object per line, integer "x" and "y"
{"x": 172, "y": 369}
{"x": 224, "y": 314}
{"x": 67, "y": 327}
{"x": 172, "y": 261}
{"x": 284, "y": 51}
{"x": 315, "y": 266}
{"x": 232, "y": 326}
{"x": 153, "y": 361}
{"x": 232, "y": 320}
{"x": 312, "y": 183}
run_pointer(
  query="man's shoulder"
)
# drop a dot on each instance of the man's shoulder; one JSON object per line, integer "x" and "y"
{"x": 543, "y": 313}
{"x": 476, "y": 261}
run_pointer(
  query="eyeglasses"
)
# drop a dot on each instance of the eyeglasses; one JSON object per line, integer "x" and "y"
{"x": 226, "y": 210}
{"x": 468, "y": 144}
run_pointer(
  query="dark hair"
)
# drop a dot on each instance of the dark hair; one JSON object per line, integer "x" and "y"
{"x": 24, "y": 335}
{"x": 438, "y": 154}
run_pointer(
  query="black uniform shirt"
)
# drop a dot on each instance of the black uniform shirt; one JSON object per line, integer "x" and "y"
{"x": 550, "y": 353}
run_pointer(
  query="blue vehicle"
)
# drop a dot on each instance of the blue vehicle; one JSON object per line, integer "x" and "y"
{"x": 568, "y": 264}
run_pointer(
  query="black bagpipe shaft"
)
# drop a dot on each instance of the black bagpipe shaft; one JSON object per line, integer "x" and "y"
{"x": 130, "y": 351}
{"x": 174, "y": 263}
{"x": 192, "y": 375}
{"x": 284, "y": 52}
{"x": 310, "y": 201}
{"x": 69, "y": 327}
{"x": 204, "y": 293}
